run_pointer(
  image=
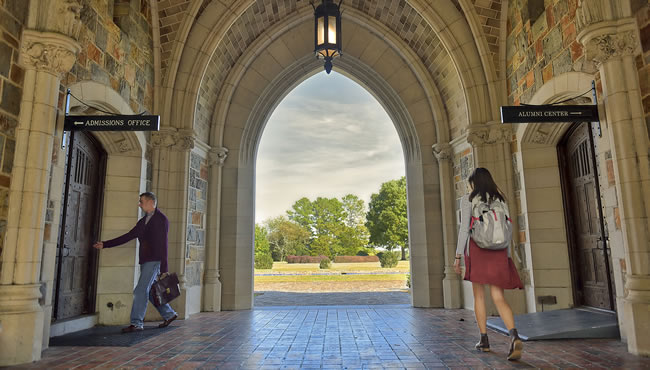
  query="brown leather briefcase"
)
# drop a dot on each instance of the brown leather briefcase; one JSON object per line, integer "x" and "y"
{"x": 165, "y": 290}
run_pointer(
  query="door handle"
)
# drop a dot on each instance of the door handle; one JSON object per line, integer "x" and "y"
{"x": 66, "y": 251}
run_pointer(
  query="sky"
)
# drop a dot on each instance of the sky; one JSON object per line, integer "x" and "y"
{"x": 329, "y": 137}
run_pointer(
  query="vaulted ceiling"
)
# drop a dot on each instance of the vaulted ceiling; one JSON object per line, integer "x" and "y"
{"x": 176, "y": 18}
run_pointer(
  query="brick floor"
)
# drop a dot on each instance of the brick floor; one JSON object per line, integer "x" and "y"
{"x": 335, "y": 337}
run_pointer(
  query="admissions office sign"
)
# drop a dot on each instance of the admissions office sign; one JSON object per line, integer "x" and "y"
{"x": 112, "y": 123}
{"x": 549, "y": 113}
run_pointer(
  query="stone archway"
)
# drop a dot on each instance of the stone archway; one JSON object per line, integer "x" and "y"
{"x": 228, "y": 66}
{"x": 244, "y": 116}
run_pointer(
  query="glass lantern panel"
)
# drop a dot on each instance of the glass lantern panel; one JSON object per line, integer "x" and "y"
{"x": 331, "y": 30}
{"x": 321, "y": 30}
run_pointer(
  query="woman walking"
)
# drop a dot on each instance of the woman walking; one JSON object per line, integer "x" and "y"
{"x": 485, "y": 266}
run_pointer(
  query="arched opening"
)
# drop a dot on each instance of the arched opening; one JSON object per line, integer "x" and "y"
{"x": 229, "y": 104}
{"x": 327, "y": 147}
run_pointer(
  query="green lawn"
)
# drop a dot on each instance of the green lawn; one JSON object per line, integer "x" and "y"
{"x": 283, "y": 267}
{"x": 314, "y": 278}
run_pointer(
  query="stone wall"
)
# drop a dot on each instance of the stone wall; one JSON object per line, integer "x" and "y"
{"x": 197, "y": 205}
{"x": 463, "y": 167}
{"x": 541, "y": 44}
{"x": 13, "y": 15}
{"x": 116, "y": 50}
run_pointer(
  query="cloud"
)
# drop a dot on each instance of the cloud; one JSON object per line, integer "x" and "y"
{"x": 328, "y": 137}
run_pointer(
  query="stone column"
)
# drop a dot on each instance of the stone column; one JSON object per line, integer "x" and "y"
{"x": 491, "y": 145}
{"x": 45, "y": 56}
{"x": 171, "y": 164}
{"x": 451, "y": 283}
{"x": 612, "y": 44}
{"x": 212, "y": 285}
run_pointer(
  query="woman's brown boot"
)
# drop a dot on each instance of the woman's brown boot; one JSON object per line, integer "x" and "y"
{"x": 516, "y": 346}
{"x": 483, "y": 344}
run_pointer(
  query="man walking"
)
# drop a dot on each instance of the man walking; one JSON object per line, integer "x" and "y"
{"x": 151, "y": 231}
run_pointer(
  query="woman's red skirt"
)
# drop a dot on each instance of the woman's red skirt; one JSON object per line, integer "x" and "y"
{"x": 486, "y": 266}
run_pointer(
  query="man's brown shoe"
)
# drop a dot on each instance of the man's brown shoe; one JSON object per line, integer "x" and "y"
{"x": 131, "y": 329}
{"x": 167, "y": 322}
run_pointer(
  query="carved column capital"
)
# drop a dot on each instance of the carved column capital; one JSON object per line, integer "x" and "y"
{"x": 605, "y": 47}
{"x": 185, "y": 140}
{"x": 47, "y": 51}
{"x": 486, "y": 134}
{"x": 610, "y": 40}
{"x": 217, "y": 156}
{"x": 442, "y": 151}
{"x": 164, "y": 138}
{"x": 173, "y": 139}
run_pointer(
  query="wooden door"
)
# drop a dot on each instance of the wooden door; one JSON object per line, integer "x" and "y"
{"x": 590, "y": 255}
{"x": 76, "y": 259}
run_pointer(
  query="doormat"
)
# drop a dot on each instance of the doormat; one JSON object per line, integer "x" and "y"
{"x": 108, "y": 336}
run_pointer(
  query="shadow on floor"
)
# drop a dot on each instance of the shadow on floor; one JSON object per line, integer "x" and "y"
{"x": 276, "y": 298}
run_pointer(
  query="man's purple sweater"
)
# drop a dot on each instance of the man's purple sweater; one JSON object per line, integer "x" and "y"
{"x": 152, "y": 236}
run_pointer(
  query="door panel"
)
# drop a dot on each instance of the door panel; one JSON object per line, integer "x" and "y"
{"x": 593, "y": 285}
{"x": 75, "y": 289}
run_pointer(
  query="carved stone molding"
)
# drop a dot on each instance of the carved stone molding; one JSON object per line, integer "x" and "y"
{"x": 442, "y": 151}
{"x": 479, "y": 135}
{"x": 607, "y": 39}
{"x": 173, "y": 139}
{"x": 164, "y": 138}
{"x": 47, "y": 51}
{"x": 602, "y": 48}
{"x": 217, "y": 156}
{"x": 184, "y": 142}
{"x": 124, "y": 146}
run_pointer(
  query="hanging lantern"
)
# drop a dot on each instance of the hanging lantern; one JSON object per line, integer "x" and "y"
{"x": 327, "y": 37}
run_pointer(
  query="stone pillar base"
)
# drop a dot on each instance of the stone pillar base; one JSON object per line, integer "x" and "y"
{"x": 451, "y": 285}
{"x": 212, "y": 296}
{"x": 21, "y": 324}
{"x": 637, "y": 314}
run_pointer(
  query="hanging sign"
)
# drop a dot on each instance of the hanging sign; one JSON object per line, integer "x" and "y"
{"x": 549, "y": 113}
{"x": 112, "y": 123}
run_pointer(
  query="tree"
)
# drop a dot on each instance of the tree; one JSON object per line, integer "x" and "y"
{"x": 387, "y": 219}
{"x": 335, "y": 227}
{"x": 286, "y": 238}
{"x": 355, "y": 214}
{"x": 262, "y": 250}
{"x": 354, "y": 234}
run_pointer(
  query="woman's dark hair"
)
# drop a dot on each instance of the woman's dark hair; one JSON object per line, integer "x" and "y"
{"x": 484, "y": 185}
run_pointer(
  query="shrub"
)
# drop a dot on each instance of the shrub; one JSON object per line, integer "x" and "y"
{"x": 305, "y": 259}
{"x": 325, "y": 263}
{"x": 263, "y": 261}
{"x": 362, "y": 253}
{"x": 408, "y": 280}
{"x": 388, "y": 259}
{"x": 351, "y": 259}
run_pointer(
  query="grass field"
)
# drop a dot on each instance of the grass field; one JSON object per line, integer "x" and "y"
{"x": 313, "y": 278}
{"x": 369, "y": 276}
{"x": 288, "y": 268}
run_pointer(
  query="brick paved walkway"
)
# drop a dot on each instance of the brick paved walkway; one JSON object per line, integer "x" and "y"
{"x": 336, "y": 337}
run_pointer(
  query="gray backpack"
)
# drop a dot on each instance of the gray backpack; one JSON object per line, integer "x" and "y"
{"x": 491, "y": 227}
